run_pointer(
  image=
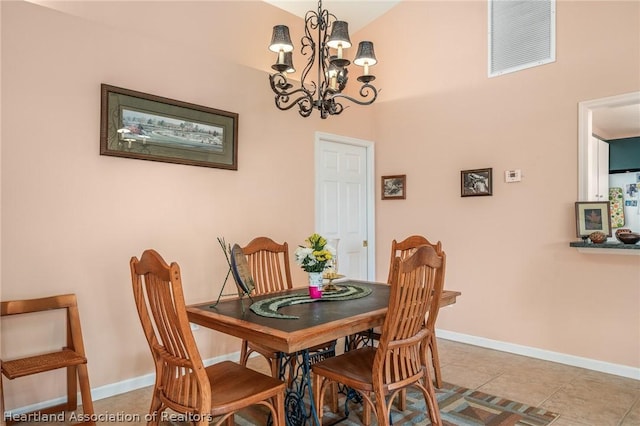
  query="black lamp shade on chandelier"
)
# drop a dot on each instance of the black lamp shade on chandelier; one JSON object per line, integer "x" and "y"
{"x": 325, "y": 93}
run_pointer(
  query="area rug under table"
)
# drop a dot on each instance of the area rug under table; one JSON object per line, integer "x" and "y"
{"x": 458, "y": 407}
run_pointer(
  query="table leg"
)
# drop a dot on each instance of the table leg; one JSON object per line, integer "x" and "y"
{"x": 295, "y": 370}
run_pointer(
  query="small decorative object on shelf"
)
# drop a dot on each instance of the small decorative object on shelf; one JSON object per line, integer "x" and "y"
{"x": 621, "y": 231}
{"x": 314, "y": 258}
{"x": 628, "y": 237}
{"x": 598, "y": 237}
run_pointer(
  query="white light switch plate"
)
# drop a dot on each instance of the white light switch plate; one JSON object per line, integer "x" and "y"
{"x": 512, "y": 175}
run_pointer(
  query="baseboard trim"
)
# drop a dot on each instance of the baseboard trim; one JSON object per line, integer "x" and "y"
{"x": 128, "y": 385}
{"x": 139, "y": 382}
{"x": 575, "y": 361}
{"x": 117, "y": 388}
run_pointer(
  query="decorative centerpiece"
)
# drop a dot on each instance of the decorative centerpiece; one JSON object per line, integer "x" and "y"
{"x": 314, "y": 258}
{"x": 331, "y": 273}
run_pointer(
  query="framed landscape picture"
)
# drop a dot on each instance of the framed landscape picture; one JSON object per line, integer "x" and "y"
{"x": 592, "y": 216}
{"x": 394, "y": 187}
{"x": 148, "y": 127}
{"x": 476, "y": 182}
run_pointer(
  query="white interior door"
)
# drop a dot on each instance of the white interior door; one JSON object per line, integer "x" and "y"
{"x": 345, "y": 201}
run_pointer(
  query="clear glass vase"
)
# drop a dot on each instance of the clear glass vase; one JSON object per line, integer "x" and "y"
{"x": 333, "y": 265}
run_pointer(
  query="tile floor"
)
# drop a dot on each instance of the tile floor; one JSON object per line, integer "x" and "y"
{"x": 581, "y": 397}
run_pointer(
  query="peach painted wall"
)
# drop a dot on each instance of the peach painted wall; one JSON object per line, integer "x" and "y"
{"x": 509, "y": 253}
{"x": 71, "y": 219}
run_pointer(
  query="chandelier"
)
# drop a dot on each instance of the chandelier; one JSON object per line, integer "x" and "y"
{"x": 325, "y": 93}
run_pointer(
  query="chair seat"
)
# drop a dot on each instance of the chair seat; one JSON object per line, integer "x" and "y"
{"x": 353, "y": 368}
{"x": 236, "y": 386}
{"x": 41, "y": 363}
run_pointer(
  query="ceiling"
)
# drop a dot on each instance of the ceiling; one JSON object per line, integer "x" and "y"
{"x": 358, "y": 13}
{"x": 618, "y": 122}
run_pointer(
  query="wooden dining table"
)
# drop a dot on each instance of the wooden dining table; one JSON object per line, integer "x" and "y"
{"x": 317, "y": 323}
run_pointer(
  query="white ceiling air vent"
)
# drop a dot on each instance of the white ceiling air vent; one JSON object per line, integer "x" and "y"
{"x": 522, "y": 34}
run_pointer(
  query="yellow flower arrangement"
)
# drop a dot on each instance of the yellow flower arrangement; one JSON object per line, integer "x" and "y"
{"x": 316, "y": 256}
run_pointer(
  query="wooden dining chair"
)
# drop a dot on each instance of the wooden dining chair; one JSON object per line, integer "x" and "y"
{"x": 269, "y": 266}
{"x": 404, "y": 249}
{"x": 380, "y": 373}
{"x": 182, "y": 383}
{"x": 407, "y": 246}
{"x": 271, "y": 272}
{"x": 71, "y": 356}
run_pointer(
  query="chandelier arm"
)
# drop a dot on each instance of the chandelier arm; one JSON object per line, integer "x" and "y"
{"x": 283, "y": 98}
{"x": 280, "y": 86}
{"x": 336, "y": 108}
{"x": 304, "y": 103}
{"x": 365, "y": 91}
{"x": 329, "y": 106}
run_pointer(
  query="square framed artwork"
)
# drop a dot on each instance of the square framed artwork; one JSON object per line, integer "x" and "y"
{"x": 592, "y": 216}
{"x": 477, "y": 182}
{"x": 394, "y": 187}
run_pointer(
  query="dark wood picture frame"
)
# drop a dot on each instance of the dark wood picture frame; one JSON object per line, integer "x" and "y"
{"x": 476, "y": 182}
{"x": 394, "y": 187}
{"x": 149, "y": 127}
{"x": 592, "y": 216}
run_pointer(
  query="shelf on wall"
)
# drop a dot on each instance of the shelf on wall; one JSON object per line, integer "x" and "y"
{"x": 606, "y": 248}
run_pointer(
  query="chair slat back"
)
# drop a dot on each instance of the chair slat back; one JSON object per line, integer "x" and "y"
{"x": 269, "y": 265}
{"x": 401, "y": 352}
{"x": 407, "y": 246}
{"x": 180, "y": 373}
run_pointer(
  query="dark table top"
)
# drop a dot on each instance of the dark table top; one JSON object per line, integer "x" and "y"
{"x": 318, "y": 322}
{"x": 319, "y": 312}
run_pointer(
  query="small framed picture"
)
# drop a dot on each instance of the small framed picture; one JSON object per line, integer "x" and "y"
{"x": 592, "y": 216}
{"x": 476, "y": 182}
{"x": 394, "y": 187}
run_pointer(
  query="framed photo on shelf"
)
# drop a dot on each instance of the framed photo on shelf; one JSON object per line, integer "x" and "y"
{"x": 394, "y": 187}
{"x": 592, "y": 216}
{"x": 477, "y": 182}
{"x": 148, "y": 127}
